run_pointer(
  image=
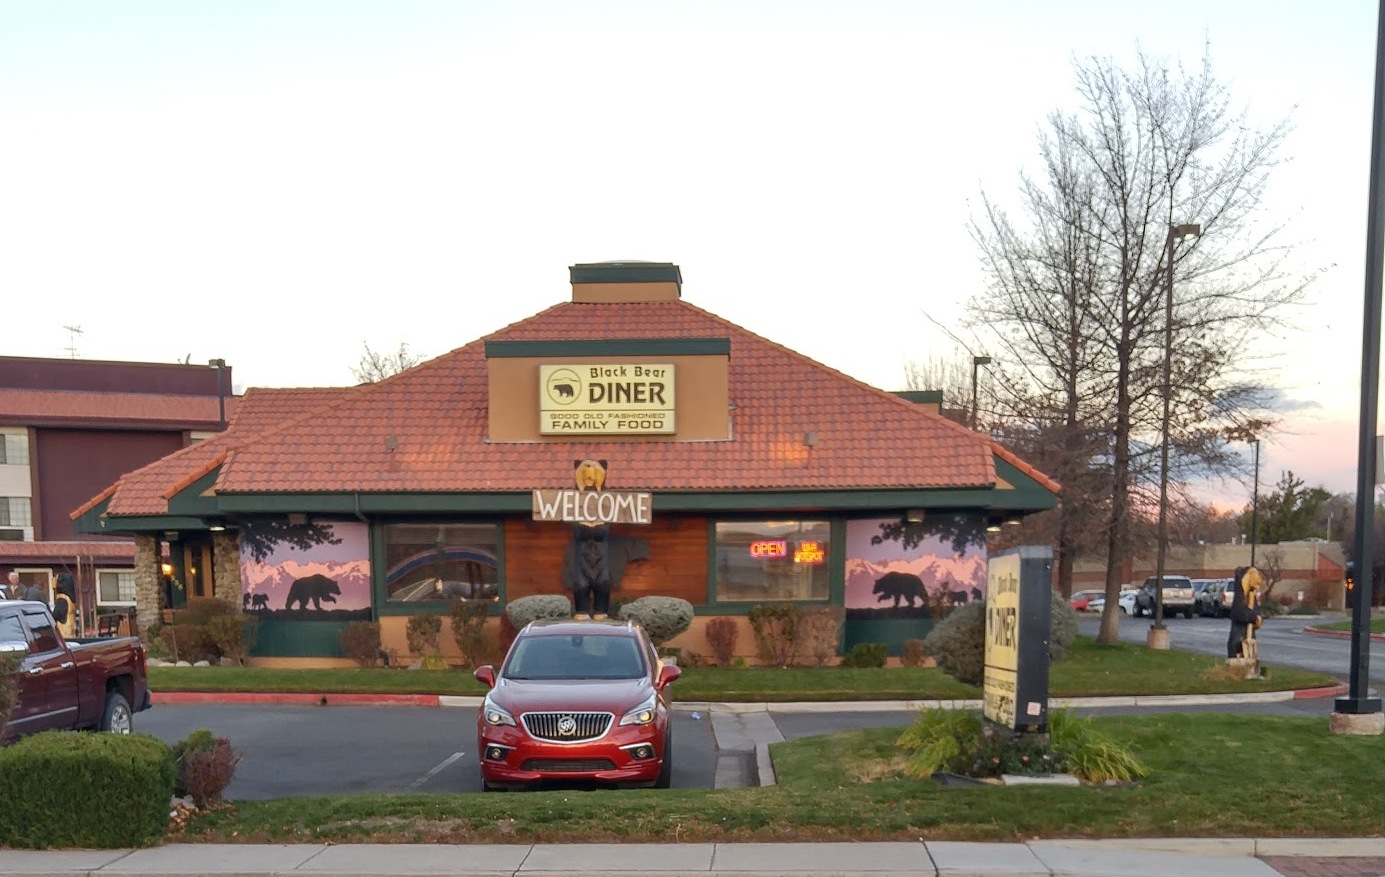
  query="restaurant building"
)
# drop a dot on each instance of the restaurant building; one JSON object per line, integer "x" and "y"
{"x": 731, "y": 471}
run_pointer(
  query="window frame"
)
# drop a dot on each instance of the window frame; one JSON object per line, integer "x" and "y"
{"x": 8, "y": 517}
{"x": 19, "y": 438}
{"x": 379, "y": 564}
{"x": 830, "y": 562}
{"x": 121, "y": 603}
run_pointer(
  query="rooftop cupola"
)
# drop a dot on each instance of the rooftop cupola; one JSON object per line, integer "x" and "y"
{"x": 625, "y": 281}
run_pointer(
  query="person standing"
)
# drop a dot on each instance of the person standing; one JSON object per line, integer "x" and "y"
{"x": 11, "y": 590}
{"x": 26, "y": 592}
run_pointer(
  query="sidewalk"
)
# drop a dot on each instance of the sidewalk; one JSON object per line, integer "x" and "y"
{"x": 1184, "y": 857}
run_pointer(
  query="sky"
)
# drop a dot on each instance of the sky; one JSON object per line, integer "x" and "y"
{"x": 281, "y": 183}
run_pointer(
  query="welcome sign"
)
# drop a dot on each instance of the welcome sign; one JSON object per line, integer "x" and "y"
{"x": 633, "y": 398}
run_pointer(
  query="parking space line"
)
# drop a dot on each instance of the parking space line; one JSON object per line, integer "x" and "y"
{"x": 446, "y": 762}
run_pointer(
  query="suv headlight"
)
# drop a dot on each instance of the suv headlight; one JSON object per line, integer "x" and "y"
{"x": 640, "y": 715}
{"x": 494, "y": 715}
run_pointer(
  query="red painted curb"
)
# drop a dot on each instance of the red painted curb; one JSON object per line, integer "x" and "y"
{"x": 1340, "y": 634}
{"x": 1329, "y": 691}
{"x": 299, "y": 699}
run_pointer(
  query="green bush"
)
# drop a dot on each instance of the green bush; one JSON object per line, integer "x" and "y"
{"x": 1089, "y": 753}
{"x": 98, "y": 791}
{"x": 539, "y": 606}
{"x": 360, "y": 641}
{"x": 468, "y": 619}
{"x": 206, "y": 764}
{"x": 958, "y": 642}
{"x": 775, "y": 626}
{"x": 199, "y": 740}
{"x": 663, "y": 618}
{"x": 187, "y": 642}
{"x": 866, "y": 655}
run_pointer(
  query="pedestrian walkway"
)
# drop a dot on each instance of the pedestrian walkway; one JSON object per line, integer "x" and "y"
{"x": 1210, "y": 857}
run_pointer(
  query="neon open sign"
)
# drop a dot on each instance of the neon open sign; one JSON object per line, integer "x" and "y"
{"x": 769, "y": 548}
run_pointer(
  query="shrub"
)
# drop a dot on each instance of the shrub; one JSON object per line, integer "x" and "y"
{"x": 1304, "y": 609}
{"x": 233, "y": 636}
{"x": 775, "y": 626}
{"x": 98, "y": 791}
{"x": 866, "y": 655}
{"x": 819, "y": 633}
{"x": 940, "y": 739}
{"x": 527, "y": 609}
{"x": 958, "y": 642}
{"x": 9, "y": 687}
{"x": 663, "y": 618}
{"x": 360, "y": 641}
{"x": 913, "y": 653}
{"x": 722, "y": 635}
{"x": 469, "y": 630}
{"x": 1089, "y": 753}
{"x": 187, "y": 642}
{"x": 421, "y": 633}
{"x": 206, "y": 773}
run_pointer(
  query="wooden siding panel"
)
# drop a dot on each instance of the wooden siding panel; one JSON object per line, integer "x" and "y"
{"x": 677, "y": 565}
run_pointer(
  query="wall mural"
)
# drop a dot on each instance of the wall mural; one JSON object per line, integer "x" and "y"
{"x": 896, "y": 569}
{"x": 306, "y": 572}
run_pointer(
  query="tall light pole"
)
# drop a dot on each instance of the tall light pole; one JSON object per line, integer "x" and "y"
{"x": 976, "y": 363}
{"x": 1158, "y": 633}
{"x": 1255, "y": 504}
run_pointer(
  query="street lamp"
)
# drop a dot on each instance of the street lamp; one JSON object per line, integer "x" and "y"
{"x": 976, "y": 363}
{"x": 1255, "y": 504}
{"x": 1158, "y": 633}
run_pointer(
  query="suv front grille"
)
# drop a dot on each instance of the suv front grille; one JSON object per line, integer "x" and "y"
{"x": 568, "y": 765}
{"x": 561, "y": 727}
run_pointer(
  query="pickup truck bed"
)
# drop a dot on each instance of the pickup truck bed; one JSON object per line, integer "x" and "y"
{"x": 77, "y": 684}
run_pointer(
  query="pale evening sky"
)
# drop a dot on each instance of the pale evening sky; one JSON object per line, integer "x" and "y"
{"x": 277, "y": 183}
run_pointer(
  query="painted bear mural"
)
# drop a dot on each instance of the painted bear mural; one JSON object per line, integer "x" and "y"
{"x": 900, "y": 586}
{"x": 316, "y": 588}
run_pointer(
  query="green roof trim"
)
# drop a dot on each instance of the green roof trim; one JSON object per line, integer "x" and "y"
{"x": 90, "y": 521}
{"x": 190, "y": 501}
{"x": 626, "y": 272}
{"x": 610, "y": 347}
{"x": 922, "y": 397}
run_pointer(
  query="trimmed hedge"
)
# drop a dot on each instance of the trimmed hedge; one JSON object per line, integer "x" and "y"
{"x": 663, "y": 618}
{"x": 67, "y": 790}
{"x": 536, "y": 607}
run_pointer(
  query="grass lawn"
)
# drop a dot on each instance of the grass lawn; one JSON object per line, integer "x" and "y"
{"x": 1377, "y": 625}
{"x": 1088, "y": 670}
{"x": 1211, "y": 775}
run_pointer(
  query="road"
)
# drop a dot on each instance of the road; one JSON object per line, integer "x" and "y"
{"x": 304, "y": 750}
{"x": 1282, "y": 642}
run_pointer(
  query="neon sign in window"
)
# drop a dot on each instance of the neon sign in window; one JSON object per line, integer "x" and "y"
{"x": 769, "y": 548}
{"x": 809, "y": 552}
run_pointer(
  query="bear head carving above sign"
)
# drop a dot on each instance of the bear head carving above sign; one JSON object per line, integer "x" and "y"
{"x": 589, "y": 474}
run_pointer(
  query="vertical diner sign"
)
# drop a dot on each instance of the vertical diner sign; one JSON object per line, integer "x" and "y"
{"x": 1015, "y": 686}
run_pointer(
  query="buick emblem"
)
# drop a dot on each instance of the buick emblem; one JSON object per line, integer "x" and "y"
{"x": 567, "y": 726}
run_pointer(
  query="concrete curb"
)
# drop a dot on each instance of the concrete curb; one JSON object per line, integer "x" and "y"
{"x": 860, "y": 706}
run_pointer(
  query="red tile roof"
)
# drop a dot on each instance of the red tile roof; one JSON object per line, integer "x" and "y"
{"x": 88, "y": 551}
{"x": 49, "y": 407}
{"x": 334, "y": 439}
{"x": 867, "y": 438}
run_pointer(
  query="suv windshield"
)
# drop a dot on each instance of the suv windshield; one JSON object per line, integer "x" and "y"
{"x": 583, "y": 656}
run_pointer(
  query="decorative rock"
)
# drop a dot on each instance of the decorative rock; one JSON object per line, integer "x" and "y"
{"x": 202, "y": 664}
{"x": 1357, "y": 724}
{"x": 182, "y": 664}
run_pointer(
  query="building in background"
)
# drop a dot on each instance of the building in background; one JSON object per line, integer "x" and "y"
{"x": 68, "y": 428}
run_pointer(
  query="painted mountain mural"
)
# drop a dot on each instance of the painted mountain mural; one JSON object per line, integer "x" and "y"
{"x": 940, "y": 576}
{"x": 323, "y": 582}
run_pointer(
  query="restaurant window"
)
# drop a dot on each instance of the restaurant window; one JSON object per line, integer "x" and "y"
{"x": 772, "y": 560}
{"x": 115, "y": 587}
{"x": 441, "y": 561}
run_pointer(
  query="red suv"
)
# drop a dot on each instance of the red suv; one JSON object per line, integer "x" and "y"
{"x": 577, "y": 700}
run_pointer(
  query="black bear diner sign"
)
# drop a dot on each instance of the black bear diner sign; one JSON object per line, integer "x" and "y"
{"x": 633, "y": 398}
{"x": 1015, "y": 685}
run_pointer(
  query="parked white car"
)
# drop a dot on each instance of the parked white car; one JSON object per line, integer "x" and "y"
{"x": 1126, "y": 603}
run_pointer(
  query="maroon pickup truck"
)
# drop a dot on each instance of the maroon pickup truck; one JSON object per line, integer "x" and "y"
{"x": 70, "y": 684}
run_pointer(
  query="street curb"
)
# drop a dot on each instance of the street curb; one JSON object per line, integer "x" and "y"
{"x": 295, "y": 698}
{"x": 1340, "y": 634}
{"x": 860, "y": 706}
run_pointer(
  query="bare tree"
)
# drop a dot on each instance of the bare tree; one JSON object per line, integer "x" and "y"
{"x": 374, "y": 366}
{"x": 1272, "y": 568}
{"x": 1077, "y": 288}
